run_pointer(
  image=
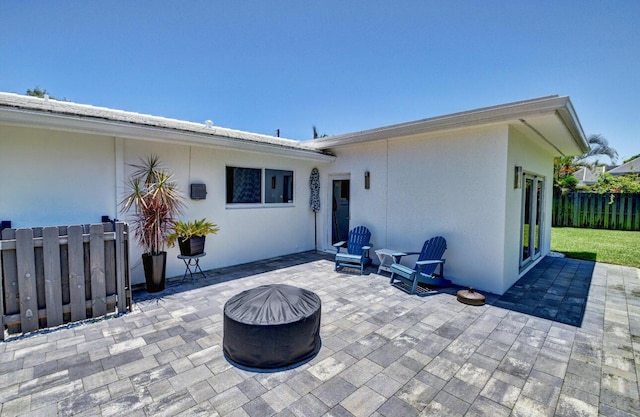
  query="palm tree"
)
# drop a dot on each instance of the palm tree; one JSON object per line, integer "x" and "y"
{"x": 567, "y": 165}
{"x": 37, "y": 92}
{"x": 316, "y": 135}
{"x": 598, "y": 146}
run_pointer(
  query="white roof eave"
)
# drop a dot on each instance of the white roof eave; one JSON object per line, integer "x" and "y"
{"x": 512, "y": 112}
{"x": 83, "y": 124}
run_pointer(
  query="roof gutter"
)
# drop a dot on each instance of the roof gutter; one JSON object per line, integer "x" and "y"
{"x": 80, "y": 124}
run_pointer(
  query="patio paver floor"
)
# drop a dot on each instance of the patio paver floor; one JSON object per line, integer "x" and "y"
{"x": 384, "y": 353}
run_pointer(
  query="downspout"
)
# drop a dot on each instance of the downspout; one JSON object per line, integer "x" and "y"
{"x": 386, "y": 191}
{"x": 119, "y": 172}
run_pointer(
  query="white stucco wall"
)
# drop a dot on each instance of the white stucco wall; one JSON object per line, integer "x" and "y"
{"x": 535, "y": 157}
{"x": 50, "y": 178}
{"x": 441, "y": 184}
{"x": 59, "y": 178}
{"x": 246, "y": 233}
{"x": 366, "y": 206}
{"x": 459, "y": 185}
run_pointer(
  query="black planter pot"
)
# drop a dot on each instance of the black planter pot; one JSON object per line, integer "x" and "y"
{"x": 191, "y": 246}
{"x": 154, "y": 271}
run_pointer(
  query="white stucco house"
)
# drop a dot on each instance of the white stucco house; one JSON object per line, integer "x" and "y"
{"x": 588, "y": 175}
{"x": 482, "y": 179}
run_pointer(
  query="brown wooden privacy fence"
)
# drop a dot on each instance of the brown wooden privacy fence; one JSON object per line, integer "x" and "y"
{"x": 56, "y": 275}
{"x": 597, "y": 211}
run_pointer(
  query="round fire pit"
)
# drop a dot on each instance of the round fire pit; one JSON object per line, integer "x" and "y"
{"x": 272, "y": 326}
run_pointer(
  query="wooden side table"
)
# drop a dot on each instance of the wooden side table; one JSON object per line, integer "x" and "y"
{"x": 387, "y": 258}
{"x": 192, "y": 262}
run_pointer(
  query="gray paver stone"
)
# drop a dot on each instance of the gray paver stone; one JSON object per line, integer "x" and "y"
{"x": 334, "y": 391}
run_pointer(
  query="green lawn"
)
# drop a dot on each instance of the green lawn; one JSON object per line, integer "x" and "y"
{"x": 609, "y": 246}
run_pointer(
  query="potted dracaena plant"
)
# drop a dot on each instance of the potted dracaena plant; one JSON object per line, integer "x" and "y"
{"x": 191, "y": 235}
{"x": 154, "y": 196}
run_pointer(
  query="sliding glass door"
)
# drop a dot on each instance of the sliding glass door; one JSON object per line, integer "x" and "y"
{"x": 532, "y": 218}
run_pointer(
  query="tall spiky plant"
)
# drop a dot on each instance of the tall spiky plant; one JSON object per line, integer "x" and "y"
{"x": 154, "y": 195}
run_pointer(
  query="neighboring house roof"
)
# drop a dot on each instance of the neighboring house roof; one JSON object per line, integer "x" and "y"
{"x": 63, "y": 115}
{"x": 631, "y": 167}
{"x": 588, "y": 176}
{"x": 552, "y": 119}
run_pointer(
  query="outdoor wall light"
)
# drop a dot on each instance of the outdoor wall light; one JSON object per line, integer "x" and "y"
{"x": 517, "y": 180}
{"x": 367, "y": 180}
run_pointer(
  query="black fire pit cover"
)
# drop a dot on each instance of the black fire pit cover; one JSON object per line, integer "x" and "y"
{"x": 272, "y": 326}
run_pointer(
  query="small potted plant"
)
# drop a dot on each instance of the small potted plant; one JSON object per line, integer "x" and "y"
{"x": 154, "y": 196}
{"x": 191, "y": 235}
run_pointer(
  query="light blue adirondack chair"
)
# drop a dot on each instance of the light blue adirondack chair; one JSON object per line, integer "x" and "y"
{"x": 357, "y": 254}
{"x": 429, "y": 259}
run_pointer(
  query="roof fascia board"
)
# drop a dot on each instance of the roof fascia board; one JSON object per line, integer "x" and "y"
{"x": 489, "y": 115}
{"x": 570, "y": 119}
{"x": 79, "y": 124}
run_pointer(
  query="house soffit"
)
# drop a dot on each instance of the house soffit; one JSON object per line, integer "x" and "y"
{"x": 551, "y": 131}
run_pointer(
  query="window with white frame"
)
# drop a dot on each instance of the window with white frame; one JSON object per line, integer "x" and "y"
{"x": 245, "y": 186}
{"x": 278, "y": 187}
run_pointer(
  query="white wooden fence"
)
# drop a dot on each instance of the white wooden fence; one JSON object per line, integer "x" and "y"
{"x": 56, "y": 275}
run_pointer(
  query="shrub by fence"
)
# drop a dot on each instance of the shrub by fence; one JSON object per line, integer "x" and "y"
{"x": 597, "y": 211}
{"x": 56, "y": 275}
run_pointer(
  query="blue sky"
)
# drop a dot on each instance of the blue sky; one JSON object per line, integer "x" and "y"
{"x": 343, "y": 66}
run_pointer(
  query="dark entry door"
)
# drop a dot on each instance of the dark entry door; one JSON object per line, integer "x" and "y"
{"x": 340, "y": 212}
